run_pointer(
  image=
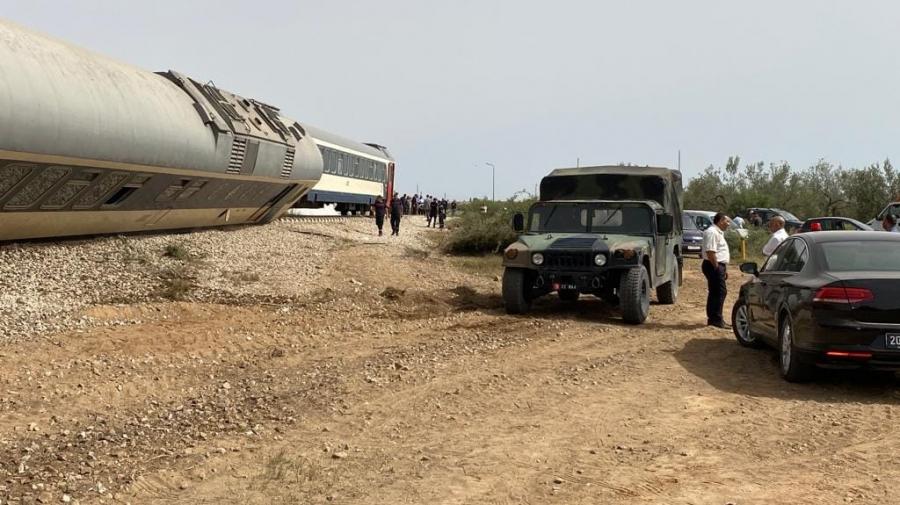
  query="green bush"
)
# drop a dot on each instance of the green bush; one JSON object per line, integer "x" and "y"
{"x": 756, "y": 239}
{"x": 476, "y": 232}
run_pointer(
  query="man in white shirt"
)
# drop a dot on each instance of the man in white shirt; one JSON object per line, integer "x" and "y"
{"x": 738, "y": 221}
{"x": 715, "y": 268}
{"x": 776, "y": 226}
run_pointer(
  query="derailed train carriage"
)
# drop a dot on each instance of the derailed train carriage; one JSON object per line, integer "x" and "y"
{"x": 89, "y": 145}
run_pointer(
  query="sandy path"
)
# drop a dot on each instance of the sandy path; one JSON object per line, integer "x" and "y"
{"x": 435, "y": 397}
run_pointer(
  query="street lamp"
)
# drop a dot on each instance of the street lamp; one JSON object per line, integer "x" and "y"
{"x": 493, "y": 186}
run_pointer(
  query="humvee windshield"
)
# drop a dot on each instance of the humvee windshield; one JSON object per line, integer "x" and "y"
{"x": 576, "y": 217}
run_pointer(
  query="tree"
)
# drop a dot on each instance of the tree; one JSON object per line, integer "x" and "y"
{"x": 819, "y": 190}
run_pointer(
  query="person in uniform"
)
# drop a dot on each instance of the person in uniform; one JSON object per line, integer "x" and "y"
{"x": 433, "y": 213}
{"x": 715, "y": 268}
{"x": 442, "y": 213}
{"x": 396, "y": 214}
{"x": 379, "y": 209}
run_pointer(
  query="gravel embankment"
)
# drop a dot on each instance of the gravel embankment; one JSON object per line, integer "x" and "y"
{"x": 45, "y": 287}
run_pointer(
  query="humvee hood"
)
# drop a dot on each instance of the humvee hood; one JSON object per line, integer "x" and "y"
{"x": 584, "y": 241}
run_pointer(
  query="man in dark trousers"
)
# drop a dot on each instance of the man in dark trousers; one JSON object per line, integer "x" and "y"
{"x": 379, "y": 209}
{"x": 442, "y": 213}
{"x": 715, "y": 268}
{"x": 396, "y": 214}
{"x": 433, "y": 212}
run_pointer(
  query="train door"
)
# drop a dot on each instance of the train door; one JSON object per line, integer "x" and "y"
{"x": 390, "y": 184}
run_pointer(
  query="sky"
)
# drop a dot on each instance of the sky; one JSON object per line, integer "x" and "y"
{"x": 530, "y": 86}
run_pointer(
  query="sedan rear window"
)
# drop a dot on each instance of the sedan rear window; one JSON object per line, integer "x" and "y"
{"x": 878, "y": 256}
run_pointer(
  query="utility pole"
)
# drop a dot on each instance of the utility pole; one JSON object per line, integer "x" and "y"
{"x": 493, "y": 179}
{"x": 679, "y": 160}
{"x": 578, "y": 162}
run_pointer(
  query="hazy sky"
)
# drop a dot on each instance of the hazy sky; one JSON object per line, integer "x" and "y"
{"x": 531, "y": 85}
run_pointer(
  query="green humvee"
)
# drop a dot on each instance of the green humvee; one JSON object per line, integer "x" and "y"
{"x": 609, "y": 231}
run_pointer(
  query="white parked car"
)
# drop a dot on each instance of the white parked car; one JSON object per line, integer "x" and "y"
{"x": 893, "y": 208}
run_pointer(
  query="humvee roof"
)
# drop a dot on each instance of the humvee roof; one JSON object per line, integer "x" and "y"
{"x": 618, "y": 169}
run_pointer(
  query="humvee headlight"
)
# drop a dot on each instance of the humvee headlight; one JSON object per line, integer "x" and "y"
{"x": 537, "y": 259}
{"x": 600, "y": 260}
{"x": 512, "y": 254}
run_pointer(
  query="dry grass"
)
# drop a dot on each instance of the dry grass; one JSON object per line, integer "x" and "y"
{"x": 177, "y": 251}
{"x": 489, "y": 265}
{"x": 177, "y": 283}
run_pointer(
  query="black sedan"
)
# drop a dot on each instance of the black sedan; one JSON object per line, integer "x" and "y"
{"x": 833, "y": 224}
{"x": 828, "y": 300}
{"x": 692, "y": 239}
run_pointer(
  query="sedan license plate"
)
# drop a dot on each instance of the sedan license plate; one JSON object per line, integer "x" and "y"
{"x": 892, "y": 341}
{"x": 693, "y": 248}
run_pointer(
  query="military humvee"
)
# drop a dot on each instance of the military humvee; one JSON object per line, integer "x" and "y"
{"x": 609, "y": 231}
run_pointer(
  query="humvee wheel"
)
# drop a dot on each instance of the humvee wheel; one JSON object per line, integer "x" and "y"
{"x": 515, "y": 287}
{"x": 568, "y": 295}
{"x": 668, "y": 293}
{"x": 634, "y": 295}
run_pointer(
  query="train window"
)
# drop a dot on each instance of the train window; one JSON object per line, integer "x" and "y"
{"x": 191, "y": 190}
{"x": 10, "y": 175}
{"x": 173, "y": 190}
{"x": 36, "y": 187}
{"x": 355, "y": 166}
{"x": 141, "y": 179}
{"x": 64, "y": 195}
{"x": 119, "y": 196}
{"x": 232, "y": 193}
{"x": 340, "y": 165}
{"x": 99, "y": 189}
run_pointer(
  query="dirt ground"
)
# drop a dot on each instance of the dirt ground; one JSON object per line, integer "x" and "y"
{"x": 403, "y": 381}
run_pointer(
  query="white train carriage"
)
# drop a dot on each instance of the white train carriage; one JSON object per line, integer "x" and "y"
{"x": 353, "y": 173}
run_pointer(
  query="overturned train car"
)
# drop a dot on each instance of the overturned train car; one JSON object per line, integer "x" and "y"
{"x": 89, "y": 145}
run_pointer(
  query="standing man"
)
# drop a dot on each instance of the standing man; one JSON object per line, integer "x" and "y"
{"x": 396, "y": 214}
{"x": 428, "y": 208}
{"x": 755, "y": 220}
{"x": 433, "y": 213}
{"x": 776, "y": 227}
{"x": 379, "y": 209}
{"x": 442, "y": 213}
{"x": 889, "y": 223}
{"x": 715, "y": 269}
{"x": 738, "y": 221}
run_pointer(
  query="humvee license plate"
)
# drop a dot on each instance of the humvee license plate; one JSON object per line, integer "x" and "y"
{"x": 564, "y": 287}
{"x": 892, "y": 341}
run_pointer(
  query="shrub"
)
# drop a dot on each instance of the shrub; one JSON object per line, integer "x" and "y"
{"x": 476, "y": 232}
{"x": 756, "y": 239}
{"x": 176, "y": 251}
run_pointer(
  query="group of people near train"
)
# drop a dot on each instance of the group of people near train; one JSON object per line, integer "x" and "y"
{"x": 434, "y": 209}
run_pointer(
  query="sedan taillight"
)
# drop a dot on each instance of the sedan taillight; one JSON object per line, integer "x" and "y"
{"x": 840, "y": 294}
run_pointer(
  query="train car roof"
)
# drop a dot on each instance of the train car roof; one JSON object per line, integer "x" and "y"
{"x": 331, "y": 138}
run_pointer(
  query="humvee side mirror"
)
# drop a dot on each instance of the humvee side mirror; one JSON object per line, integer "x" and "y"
{"x": 518, "y": 222}
{"x": 665, "y": 223}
